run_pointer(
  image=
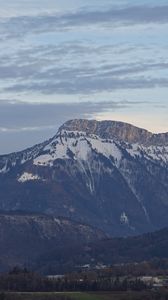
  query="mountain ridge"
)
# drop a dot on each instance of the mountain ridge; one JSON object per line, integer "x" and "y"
{"x": 116, "y": 129}
{"x": 84, "y": 174}
{"x": 73, "y": 123}
{"x": 25, "y": 237}
{"x": 52, "y": 245}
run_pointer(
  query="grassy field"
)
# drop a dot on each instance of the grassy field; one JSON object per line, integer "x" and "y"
{"x": 85, "y": 296}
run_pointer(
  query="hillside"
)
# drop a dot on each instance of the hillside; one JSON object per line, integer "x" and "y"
{"x": 56, "y": 245}
{"x": 24, "y": 238}
{"x": 110, "y": 175}
{"x": 107, "y": 252}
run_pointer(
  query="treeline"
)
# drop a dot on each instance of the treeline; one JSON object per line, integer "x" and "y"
{"x": 155, "y": 267}
{"x": 25, "y": 281}
{"x": 110, "y": 284}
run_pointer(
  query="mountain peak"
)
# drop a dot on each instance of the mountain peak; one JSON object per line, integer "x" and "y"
{"x": 109, "y": 174}
{"x": 116, "y": 130}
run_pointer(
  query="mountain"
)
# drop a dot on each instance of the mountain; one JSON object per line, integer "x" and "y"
{"x": 110, "y": 175}
{"x": 105, "y": 252}
{"x": 24, "y": 238}
{"x": 117, "y": 130}
{"x": 53, "y": 245}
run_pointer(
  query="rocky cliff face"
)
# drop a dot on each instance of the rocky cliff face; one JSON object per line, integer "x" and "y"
{"x": 108, "y": 174}
{"x": 117, "y": 130}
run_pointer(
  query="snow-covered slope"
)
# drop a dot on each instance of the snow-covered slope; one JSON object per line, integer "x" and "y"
{"x": 77, "y": 144}
{"x": 109, "y": 174}
{"x": 9, "y": 161}
{"x": 80, "y": 145}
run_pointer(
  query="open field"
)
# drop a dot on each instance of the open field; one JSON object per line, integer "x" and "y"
{"x": 148, "y": 295}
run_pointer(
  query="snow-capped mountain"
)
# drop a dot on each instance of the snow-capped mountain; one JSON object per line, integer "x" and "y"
{"x": 108, "y": 174}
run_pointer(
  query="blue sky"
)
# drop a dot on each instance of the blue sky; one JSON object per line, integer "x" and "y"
{"x": 101, "y": 59}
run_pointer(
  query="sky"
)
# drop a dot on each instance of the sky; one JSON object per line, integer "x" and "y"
{"x": 95, "y": 59}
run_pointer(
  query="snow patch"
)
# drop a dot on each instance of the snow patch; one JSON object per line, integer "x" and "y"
{"x": 78, "y": 145}
{"x": 157, "y": 153}
{"x": 28, "y": 177}
{"x": 57, "y": 221}
{"x": 124, "y": 219}
{"x": 43, "y": 160}
{"x": 4, "y": 170}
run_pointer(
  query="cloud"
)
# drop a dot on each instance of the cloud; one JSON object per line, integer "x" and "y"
{"x": 18, "y": 116}
{"x": 128, "y": 15}
{"x": 49, "y": 69}
{"x": 63, "y": 52}
{"x": 59, "y": 69}
{"x": 23, "y": 124}
{"x": 87, "y": 85}
{"x": 16, "y": 27}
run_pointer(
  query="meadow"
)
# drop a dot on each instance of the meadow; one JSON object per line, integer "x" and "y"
{"x": 129, "y": 295}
